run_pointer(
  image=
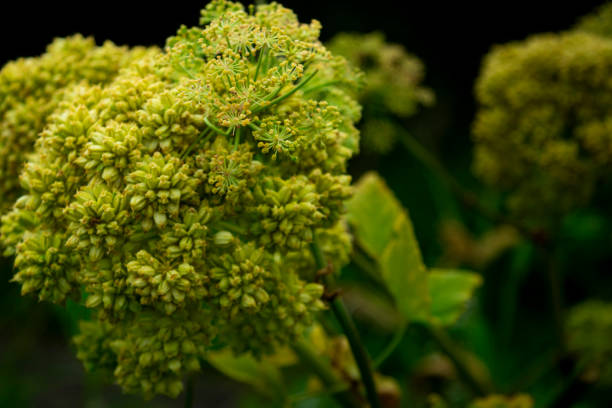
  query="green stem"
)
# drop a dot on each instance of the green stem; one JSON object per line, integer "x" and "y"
{"x": 203, "y": 138}
{"x": 466, "y": 197}
{"x": 189, "y": 392}
{"x": 288, "y": 94}
{"x": 359, "y": 351}
{"x": 322, "y": 85}
{"x": 367, "y": 266}
{"x": 237, "y": 138}
{"x": 259, "y": 59}
{"x": 216, "y": 129}
{"x": 184, "y": 70}
{"x": 554, "y": 287}
{"x": 231, "y": 227}
{"x": 350, "y": 330}
{"x": 325, "y": 374}
{"x": 458, "y": 357}
{"x": 395, "y": 341}
{"x": 555, "y": 396}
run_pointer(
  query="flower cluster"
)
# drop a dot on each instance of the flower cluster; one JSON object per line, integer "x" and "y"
{"x": 32, "y": 88}
{"x": 599, "y": 22}
{"x": 589, "y": 328}
{"x": 392, "y": 90}
{"x": 178, "y": 200}
{"x": 542, "y": 132}
{"x": 501, "y": 401}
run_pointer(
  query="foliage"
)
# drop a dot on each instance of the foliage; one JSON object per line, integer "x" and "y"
{"x": 384, "y": 230}
{"x": 187, "y": 216}
{"x": 393, "y": 87}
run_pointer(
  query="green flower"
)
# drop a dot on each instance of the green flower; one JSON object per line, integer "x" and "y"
{"x": 542, "y": 129}
{"x": 392, "y": 89}
{"x": 180, "y": 196}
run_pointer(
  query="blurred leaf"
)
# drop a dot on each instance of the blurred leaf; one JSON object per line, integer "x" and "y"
{"x": 404, "y": 273}
{"x": 383, "y": 229}
{"x": 450, "y": 290}
{"x": 371, "y": 307}
{"x": 372, "y": 212}
{"x": 262, "y": 375}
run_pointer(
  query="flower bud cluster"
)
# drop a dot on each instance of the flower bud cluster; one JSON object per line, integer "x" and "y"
{"x": 502, "y": 401}
{"x": 599, "y": 22}
{"x": 180, "y": 197}
{"x": 589, "y": 327}
{"x": 393, "y": 87}
{"x": 287, "y": 211}
{"x": 32, "y": 88}
{"x": 542, "y": 132}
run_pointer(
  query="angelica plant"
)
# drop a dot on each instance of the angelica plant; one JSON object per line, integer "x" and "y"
{"x": 542, "y": 129}
{"x": 598, "y": 22}
{"x": 32, "y": 88}
{"x": 501, "y": 401}
{"x": 178, "y": 200}
{"x": 589, "y": 328}
{"x": 392, "y": 87}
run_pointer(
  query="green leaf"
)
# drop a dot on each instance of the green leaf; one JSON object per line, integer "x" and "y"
{"x": 383, "y": 229}
{"x": 450, "y": 291}
{"x": 372, "y": 211}
{"x": 404, "y": 272}
{"x": 262, "y": 375}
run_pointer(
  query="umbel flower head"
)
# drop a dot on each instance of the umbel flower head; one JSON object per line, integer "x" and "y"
{"x": 178, "y": 201}
{"x": 589, "y": 328}
{"x": 543, "y": 129}
{"x": 502, "y": 401}
{"x": 32, "y": 88}
{"x": 392, "y": 88}
{"x": 598, "y": 22}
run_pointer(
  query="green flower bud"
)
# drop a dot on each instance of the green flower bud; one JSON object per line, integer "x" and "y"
{"x": 223, "y": 238}
{"x": 182, "y": 194}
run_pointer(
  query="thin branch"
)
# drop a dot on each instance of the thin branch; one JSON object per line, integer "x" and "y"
{"x": 189, "y": 392}
{"x": 395, "y": 341}
{"x": 458, "y": 357}
{"x": 325, "y": 374}
{"x": 279, "y": 99}
{"x": 350, "y": 330}
{"x": 468, "y": 198}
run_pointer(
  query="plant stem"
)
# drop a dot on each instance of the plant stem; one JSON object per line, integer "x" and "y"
{"x": 216, "y": 129}
{"x": 350, "y": 330}
{"x": 554, "y": 286}
{"x": 457, "y": 356}
{"x": 466, "y": 197}
{"x": 231, "y": 227}
{"x": 367, "y": 266}
{"x": 296, "y": 88}
{"x": 395, "y": 341}
{"x": 189, "y": 392}
{"x": 325, "y": 374}
{"x": 321, "y": 86}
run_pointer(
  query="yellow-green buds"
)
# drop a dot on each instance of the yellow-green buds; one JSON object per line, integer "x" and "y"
{"x": 392, "y": 88}
{"x": 541, "y": 132}
{"x": 589, "y": 327}
{"x": 32, "y": 88}
{"x": 502, "y": 401}
{"x": 179, "y": 196}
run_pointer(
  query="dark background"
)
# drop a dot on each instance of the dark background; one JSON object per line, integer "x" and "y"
{"x": 37, "y": 368}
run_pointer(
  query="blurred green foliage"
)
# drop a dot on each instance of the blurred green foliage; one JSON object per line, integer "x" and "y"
{"x": 543, "y": 131}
